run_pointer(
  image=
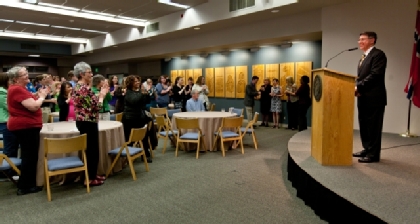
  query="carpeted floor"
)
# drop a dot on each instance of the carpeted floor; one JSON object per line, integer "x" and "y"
{"x": 249, "y": 188}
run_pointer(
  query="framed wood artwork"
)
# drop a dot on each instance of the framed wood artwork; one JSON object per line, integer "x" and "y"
{"x": 230, "y": 82}
{"x": 210, "y": 81}
{"x": 197, "y": 73}
{"x": 189, "y": 73}
{"x": 259, "y": 70}
{"x": 272, "y": 71}
{"x": 219, "y": 82}
{"x": 304, "y": 68}
{"x": 181, "y": 73}
{"x": 286, "y": 70}
{"x": 241, "y": 81}
{"x": 174, "y": 74}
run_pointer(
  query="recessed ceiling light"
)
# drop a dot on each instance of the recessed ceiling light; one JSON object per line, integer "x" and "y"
{"x": 71, "y": 20}
{"x": 115, "y": 46}
{"x": 275, "y": 11}
{"x": 34, "y": 55}
{"x": 196, "y": 28}
{"x": 148, "y": 39}
{"x": 90, "y": 51}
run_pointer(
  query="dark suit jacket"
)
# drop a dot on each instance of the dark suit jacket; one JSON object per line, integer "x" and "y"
{"x": 371, "y": 79}
{"x": 64, "y": 108}
{"x": 250, "y": 93}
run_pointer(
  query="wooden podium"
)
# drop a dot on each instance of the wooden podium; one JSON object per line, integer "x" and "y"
{"x": 332, "y": 117}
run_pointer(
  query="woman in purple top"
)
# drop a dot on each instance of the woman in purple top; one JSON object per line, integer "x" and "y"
{"x": 113, "y": 87}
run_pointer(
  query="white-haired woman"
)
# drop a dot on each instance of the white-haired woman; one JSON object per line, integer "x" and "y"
{"x": 25, "y": 121}
{"x": 86, "y": 107}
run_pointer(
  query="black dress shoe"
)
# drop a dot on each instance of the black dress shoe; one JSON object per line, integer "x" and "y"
{"x": 262, "y": 124}
{"x": 29, "y": 191}
{"x": 360, "y": 154}
{"x": 367, "y": 159}
{"x": 149, "y": 160}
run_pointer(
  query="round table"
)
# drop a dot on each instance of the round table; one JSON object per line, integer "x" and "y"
{"x": 209, "y": 123}
{"x": 111, "y": 136}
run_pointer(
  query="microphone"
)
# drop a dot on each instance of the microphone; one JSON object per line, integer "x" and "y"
{"x": 351, "y": 49}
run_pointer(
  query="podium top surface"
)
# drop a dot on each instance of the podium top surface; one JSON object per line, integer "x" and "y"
{"x": 333, "y": 71}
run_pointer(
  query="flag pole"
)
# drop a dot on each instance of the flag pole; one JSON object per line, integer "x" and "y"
{"x": 407, "y": 134}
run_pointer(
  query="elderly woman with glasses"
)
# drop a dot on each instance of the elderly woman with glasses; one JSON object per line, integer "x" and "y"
{"x": 87, "y": 106}
{"x": 25, "y": 122}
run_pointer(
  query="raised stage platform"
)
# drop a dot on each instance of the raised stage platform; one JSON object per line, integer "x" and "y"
{"x": 384, "y": 192}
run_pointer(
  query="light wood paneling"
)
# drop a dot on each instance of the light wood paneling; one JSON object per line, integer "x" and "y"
{"x": 286, "y": 70}
{"x": 332, "y": 119}
{"x": 259, "y": 70}
{"x": 304, "y": 68}
{"x": 197, "y": 73}
{"x": 181, "y": 73}
{"x": 230, "y": 82}
{"x": 241, "y": 80}
{"x": 190, "y": 73}
{"x": 219, "y": 80}
{"x": 174, "y": 74}
{"x": 210, "y": 81}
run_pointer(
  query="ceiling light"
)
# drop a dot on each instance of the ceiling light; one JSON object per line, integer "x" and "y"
{"x": 97, "y": 13}
{"x": 168, "y": 2}
{"x": 130, "y": 18}
{"x": 71, "y": 20}
{"x": 6, "y": 20}
{"x": 65, "y": 27}
{"x": 31, "y": 23}
{"x": 34, "y": 55}
{"x": 58, "y": 6}
{"x": 148, "y": 39}
{"x": 30, "y": 1}
{"x": 196, "y": 28}
{"x": 115, "y": 46}
{"x": 94, "y": 31}
{"x": 275, "y": 11}
{"x": 42, "y": 37}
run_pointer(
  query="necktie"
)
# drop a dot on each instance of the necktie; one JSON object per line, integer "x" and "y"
{"x": 361, "y": 60}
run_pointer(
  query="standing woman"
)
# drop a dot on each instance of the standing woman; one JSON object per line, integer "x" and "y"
{"x": 120, "y": 94}
{"x": 203, "y": 91}
{"x": 151, "y": 91}
{"x": 25, "y": 122}
{"x": 66, "y": 103}
{"x": 163, "y": 91}
{"x": 86, "y": 107}
{"x": 276, "y": 102}
{"x": 265, "y": 102}
{"x": 304, "y": 102}
{"x": 178, "y": 93}
{"x": 134, "y": 112}
{"x": 57, "y": 88}
{"x": 292, "y": 103}
{"x": 113, "y": 86}
{"x": 187, "y": 91}
{"x": 99, "y": 83}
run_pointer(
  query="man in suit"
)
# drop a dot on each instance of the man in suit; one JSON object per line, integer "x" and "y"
{"x": 250, "y": 93}
{"x": 371, "y": 97}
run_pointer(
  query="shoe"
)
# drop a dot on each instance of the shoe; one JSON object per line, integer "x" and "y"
{"x": 254, "y": 126}
{"x": 149, "y": 160}
{"x": 95, "y": 182}
{"x": 368, "y": 159}
{"x": 266, "y": 124}
{"x": 101, "y": 178}
{"x": 29, "y": 191}
{"x": 262, "y": 124}
{"x": 274, "y": 126}
{"x": 360, "y": 154}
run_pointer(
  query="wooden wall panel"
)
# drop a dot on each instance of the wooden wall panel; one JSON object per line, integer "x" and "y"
{"x": 304, "y": 68}
{"x": 174, "y": 74}
{"x": 210, "y": 81}
{"x": 181, "y": 73}
{"x": 189, "y": 73}
{"x": 197, "y": 73}
{"x": 241, "y": 80}
{"x": 259, "y": 70}
{"x": 219, "y": 80}
{"x": 230, "y": 82}
{"x": 286, "y": 70}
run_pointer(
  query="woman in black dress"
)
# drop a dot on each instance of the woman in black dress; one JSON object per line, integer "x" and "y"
{"x": 304, "y": 102}
{"x": 187, "y": 93}
{"x": 178, "y": 93}
{"x": 265, "y": 102}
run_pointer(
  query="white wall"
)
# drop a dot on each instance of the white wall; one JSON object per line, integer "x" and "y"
{"x": 394, "y": 22}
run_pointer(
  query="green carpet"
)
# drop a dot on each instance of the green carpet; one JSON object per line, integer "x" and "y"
{"x": 249, "y": 188}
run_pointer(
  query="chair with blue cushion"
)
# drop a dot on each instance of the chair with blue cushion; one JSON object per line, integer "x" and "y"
{"x": 165, "y": 131}
{"x": 189, "y": 137}
{"x": 113, "y": 117}
{"x": 158, "y": 112}
{"x": 60, "y": 166}
{"x": 238, "y": 111}
{"x": 224, "y": 135}
{"x": 7, "y": 164}
{"x": 131, "y": 153}
{"x": 171, "y": 112}
{"x": 250, "y": 130}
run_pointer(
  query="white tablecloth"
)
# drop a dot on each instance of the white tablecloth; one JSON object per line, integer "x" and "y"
{"x": 111, "y": 135}
{"x": 209, "y": 123}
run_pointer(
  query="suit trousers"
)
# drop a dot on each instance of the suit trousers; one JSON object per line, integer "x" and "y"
{"x": 29, "y": 147}
{"x": 91, "y": 129}
{"x": 370, "y": 122}
{"x": 292, "y": 115}
{"x": 249, "y": 113}
{"x": 302, "y": 111}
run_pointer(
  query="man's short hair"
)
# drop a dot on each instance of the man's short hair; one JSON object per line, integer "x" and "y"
{"x": 70, "y": 74}
{"x": 370, "y": 34}
{"x": 255, "y": 77}
{"x": 194, "y": 91}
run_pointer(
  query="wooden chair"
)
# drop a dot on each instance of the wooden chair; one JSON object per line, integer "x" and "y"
{"x": 65, "y": 165}
{"x": 165, "y": 131}
{"x": 238, "y": 111}
{"x": 118, "y": 117}
{"x": 212, "y": 107}
{"x": 158, "y": 112}
{"x": 229, "y": 122}
{"x": 132, "y": 153}
{"x": 189, "y": 137}
{"x": 53, "y": 119}
{"x": 250, "y": 130}
{"x": 7, "y": 163}
{"x": 171, "y": 113}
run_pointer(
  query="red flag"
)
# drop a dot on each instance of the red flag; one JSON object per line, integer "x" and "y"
{"x": 413, "y": 86}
